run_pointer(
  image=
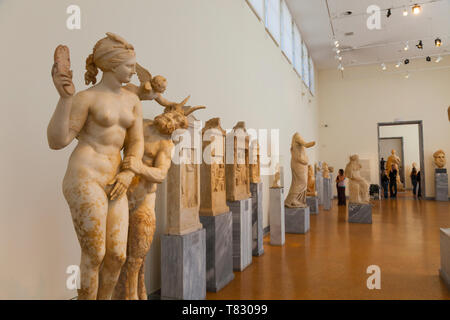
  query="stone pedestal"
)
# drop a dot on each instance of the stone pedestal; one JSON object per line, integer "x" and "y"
{"x": 326, "y": 194}
{"x": 445, "y": 256}
{"x": 331, "y": 185}
{"x": 359, "y": 213}
{"x": 313, "y": 204}
{"x": 219, "y": 250}
{"x": 296, "y": 220}
{"x": 441, "y": 184}
{"x": 183, "y": 266}
{"x": 276, "y": 216}
{"x": 256, "y": 190}
{"x": 319, "y": 186}
{"x": 242, "y": 233}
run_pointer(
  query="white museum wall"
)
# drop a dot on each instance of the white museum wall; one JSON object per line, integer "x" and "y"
{"x": 352, "y": 106}
{"x": 215, "y": 50}
{"x": 411, "y": 149}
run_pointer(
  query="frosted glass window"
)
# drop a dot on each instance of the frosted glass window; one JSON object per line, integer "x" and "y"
{"x": 258, "y": 7}
{"x": 305, "y": 65}
{"x": 273, "y": 18}
{"x": 311, "y": 76}
{"x": 297, "y": 51}
{"x": 286, "y": 31}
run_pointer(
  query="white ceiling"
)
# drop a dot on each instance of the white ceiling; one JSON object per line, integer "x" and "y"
{"x": 371, "y": 46}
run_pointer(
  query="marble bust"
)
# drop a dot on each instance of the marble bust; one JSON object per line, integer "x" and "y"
{"x": 439, "y": 159}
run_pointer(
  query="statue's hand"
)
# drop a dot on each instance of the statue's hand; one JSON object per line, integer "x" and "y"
{"x": 133, "y": 164}
{"x": 121, "y": 183}
{"x": 61, "y": 80}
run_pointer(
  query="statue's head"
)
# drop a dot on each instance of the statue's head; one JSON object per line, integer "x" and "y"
{"x": 159, "y": 84}
{"x": 439, "y": 158}
{"x": 174, "y": 118}
{"x": 392, "y": 151}
{"x": 111, "y": 54}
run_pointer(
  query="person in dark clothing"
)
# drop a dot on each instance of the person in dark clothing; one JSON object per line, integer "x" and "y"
{"x": 419, "y": 192}
{"x": 340, "y": 185}
{"x": 414, "y": 180}
{"x": 385, "y": 183}
{"x": 393, "y": 182}
{"x": 382, "y": 162}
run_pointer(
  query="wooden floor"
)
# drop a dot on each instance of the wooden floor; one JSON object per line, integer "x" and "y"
{"x": 330, "y": 261}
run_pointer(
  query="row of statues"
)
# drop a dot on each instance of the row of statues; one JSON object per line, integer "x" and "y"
{"x": 112, "y": 201}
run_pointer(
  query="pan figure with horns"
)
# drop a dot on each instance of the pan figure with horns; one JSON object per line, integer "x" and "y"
{"x": 150, "y": 171}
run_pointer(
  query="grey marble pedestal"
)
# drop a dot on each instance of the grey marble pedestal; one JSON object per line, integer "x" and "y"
{"x": 296, "y": 220}
{"x": 441, "y": 184}
{"x": 359, "y": 213}
{"x": 183, "y": 266}
{"x": 326, "y": 194}
{"x": 313, "y": 204}
{"x": 445, "y": 256}
{"x": 276, "y": 216}
{"x": 331, "y": 186}
{"x": 242, "y": 233}
{"x": 319, "y": 186}
{"x": 219, "y": 250}
{"x": 257, "y": 219}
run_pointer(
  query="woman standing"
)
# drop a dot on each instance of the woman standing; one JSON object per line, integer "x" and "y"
{"x": 414, "y": 180}
{"x": 95, "y": 189}
{"x": 340, "y": 185}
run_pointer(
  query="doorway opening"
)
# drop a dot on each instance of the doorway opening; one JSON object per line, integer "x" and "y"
{"x": 404, "y": 139}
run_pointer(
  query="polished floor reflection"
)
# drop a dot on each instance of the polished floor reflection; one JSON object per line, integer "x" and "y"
{"x": 330, "y": 261}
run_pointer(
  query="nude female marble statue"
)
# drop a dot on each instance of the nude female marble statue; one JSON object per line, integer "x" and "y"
{"x": 358, "y": 187}
{"x": 100, "y": 118}
{"x": 296, "y": 197}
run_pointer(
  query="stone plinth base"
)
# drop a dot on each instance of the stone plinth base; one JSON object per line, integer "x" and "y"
{"x": 296, "y": 220}
{"x": 359, "y": 213}
{"x": 445, "y": 256}
{"x": 327, "y": 194}
{"x": 313, "y": 204}
{"x": 256, "y": 190}
{"x": 319, "y": 186}
{"x": 441, "y": 184}
{"x": 183, "y": 266}
{"x": 219, "y": 250}
{"x": 242, "y": 233}
{"x": 276, "y": 216}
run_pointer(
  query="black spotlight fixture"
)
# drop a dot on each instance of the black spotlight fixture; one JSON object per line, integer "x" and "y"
{"x": 419, "y": 45}
{"x": 406, "y": 61}
{"x": 437, "y": 42}
{"x": 428, "y": 59}
{"x": 389, "y": 13}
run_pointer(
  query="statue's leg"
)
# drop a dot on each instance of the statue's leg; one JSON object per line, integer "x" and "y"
{"x": 116, "y": 246}
{"x": 120, "y": 290}
{"x": 142, "y": 291}
{"x": 142, "y": 229}
{"x": 88, "y": 205}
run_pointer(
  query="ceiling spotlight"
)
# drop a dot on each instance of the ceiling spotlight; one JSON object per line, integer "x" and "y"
{"x": 438, "y": 59}
{"x": 389, "y": 13}
{"x": 407, "y": 75}
{"x": 437, "y": 42}
{"x": 336, "y": 43}
{"x": 406, "y": 48}
{"x": 341, "y": 67}
{"x": 416, "y": 9}
{"x": 405, "y": 12}
{"x": 398, "y": 64}
{"x": 419, "y": 45}
{"x": 338, "y": 58}
{"x": 337, "y": 50}
{"x": 428, "y": 59}
{"x": 383, "y": 66}
{"x": 406, "y": 61}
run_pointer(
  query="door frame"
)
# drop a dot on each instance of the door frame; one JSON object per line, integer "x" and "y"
{"x": 421, "y": 148}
